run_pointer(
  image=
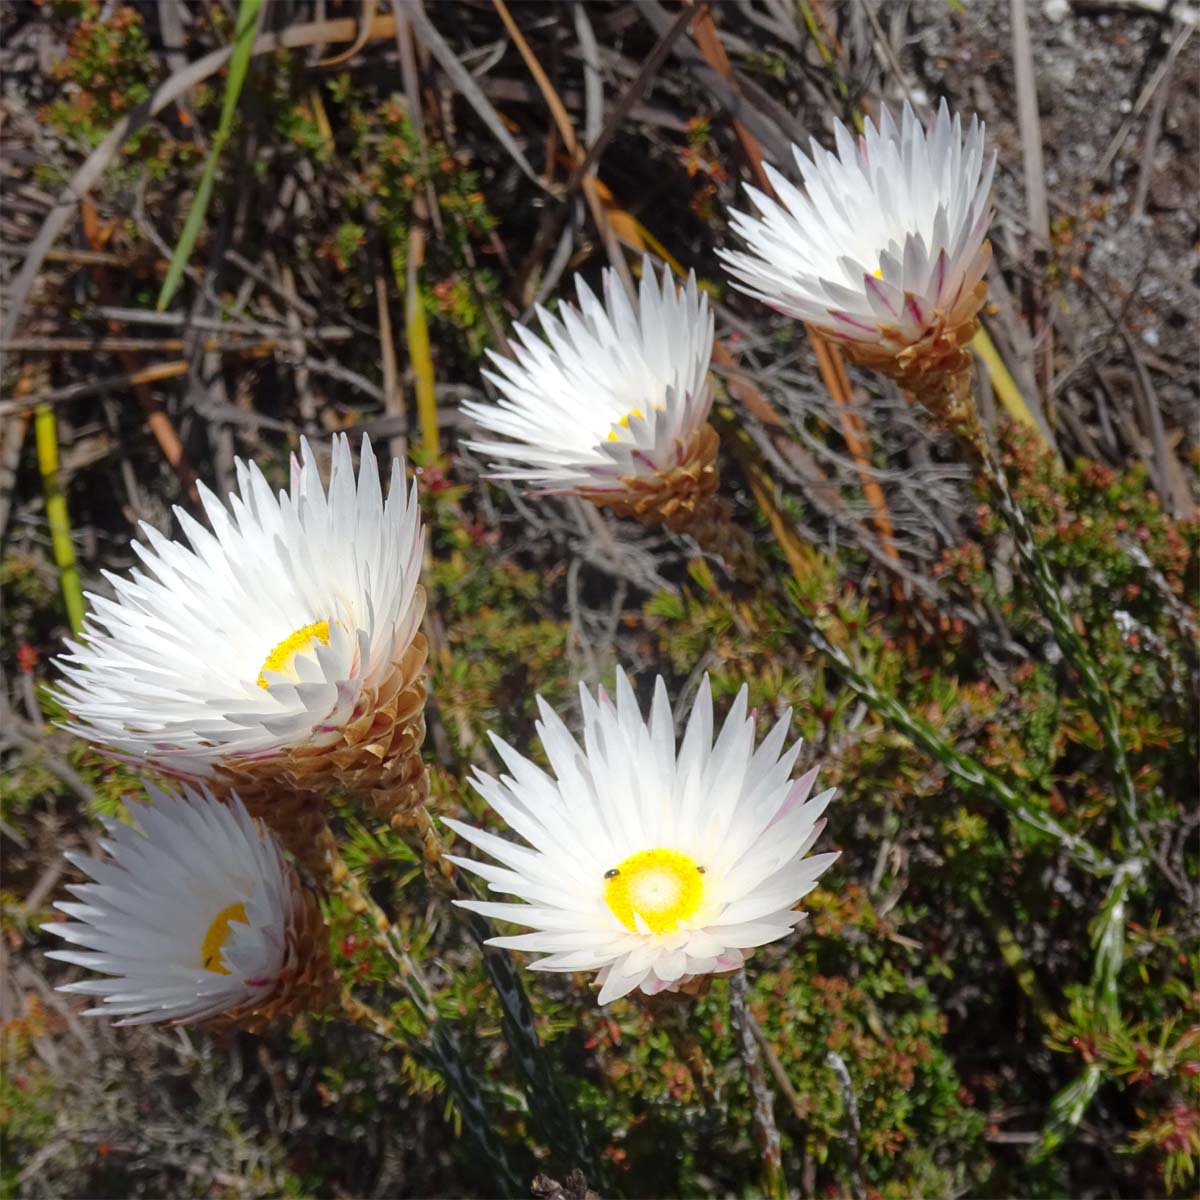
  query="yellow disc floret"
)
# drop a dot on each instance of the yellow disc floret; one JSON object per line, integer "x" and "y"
{"x": 662, "y": 886}
{"x": 281, "y": 657}
{"x": 217, "y": 935}
{"x": 624, "y": 422}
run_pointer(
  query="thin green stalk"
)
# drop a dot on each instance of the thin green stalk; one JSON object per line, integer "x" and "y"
{"x": 542, "y": 1089}
{"x": 443, "y": 1053}
{"x": 1069, "y": 1105}
{"x": 520, "y": 1031}
{"x": 239, "y": 64}
{"x": 419, "y": 355}
{"x": 1095, "y": 692}
{"x": 46, "y": 435}
{"x": 1108, "y": 943}
{"x": 963, "y": 768}
{"x": 774, "y": 1179}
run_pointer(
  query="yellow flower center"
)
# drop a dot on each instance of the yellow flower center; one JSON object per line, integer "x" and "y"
{"x": 281, "y": 657}
{"x": 624, "y": 422}
{"x": 216, "y": 937}
{"x": 878, "y": 273}
{"x": 662, "y": 886}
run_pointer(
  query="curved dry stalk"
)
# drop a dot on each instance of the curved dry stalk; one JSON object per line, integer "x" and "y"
{"x": 770, "y": 1146}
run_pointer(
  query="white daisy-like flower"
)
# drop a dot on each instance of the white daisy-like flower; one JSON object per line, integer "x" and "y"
{"x": 888, "y": 241}
{"x": 276, "y": 632}
{"x": 193, "y": 916}
{"x": 647, "y": 866}
{"x": 615, "y": 390}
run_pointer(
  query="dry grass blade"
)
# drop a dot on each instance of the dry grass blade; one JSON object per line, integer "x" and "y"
{"x": 1036, "y": 204}
{"x": 566, "y": 131}
{"x": 366, "y": 17}
{"x": 160, "y": 423}
{"x": 466, "y": 86}
{"x": 634, "y": 92}
{"x": 1027, "y": 117}
{"x": 1182, "y": 36}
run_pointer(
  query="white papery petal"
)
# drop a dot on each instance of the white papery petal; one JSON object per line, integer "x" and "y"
{"x": 185, "y": 860}
{"x": 731, "y": 809}
{"x": 600, "y": 365}
{"x": 169, "y": 670}
{"x": 910, "y": 204}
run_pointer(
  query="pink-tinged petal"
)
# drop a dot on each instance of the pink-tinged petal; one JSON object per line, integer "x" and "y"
{"x": 853, "y": 322}
{"x": 654, "y": 986}
{"x": 878, "y": 297}
{"x": 797, "y": 796}
{"x": 940, "y": 270}
{"x": 915, "y": 308}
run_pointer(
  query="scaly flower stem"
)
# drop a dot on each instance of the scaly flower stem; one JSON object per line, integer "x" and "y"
{"x": 519, "y": 1025}
{"x": 760, "y": 1094}
{"x": 1108, "y": 940}
{"x": 1049, "y": 599}
{"x": 444, "y": 1054}
{"x": 716, "y": 532}
{"x": 965, "y": 769}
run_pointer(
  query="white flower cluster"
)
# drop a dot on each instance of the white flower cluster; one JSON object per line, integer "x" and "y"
{"x": 649, "y": 862}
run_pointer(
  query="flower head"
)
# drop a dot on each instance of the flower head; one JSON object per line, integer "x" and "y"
{"x": 272, "y": 636}
{"x": 194, "y": 916}
{"x": 615, "y": 391}
{"x": 886, "y": 245}
{"x": 649, "y": 866}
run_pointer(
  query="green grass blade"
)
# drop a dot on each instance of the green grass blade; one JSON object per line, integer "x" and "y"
{"x": 239, "y": 64}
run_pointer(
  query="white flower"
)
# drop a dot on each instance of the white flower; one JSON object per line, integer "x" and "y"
{"x": 616, "y": 391}
{"x": 262, "y": 636}
{"x": 191, "y": 916}
{"x": 889, "y": 239}
{"x": 649, "y": 867}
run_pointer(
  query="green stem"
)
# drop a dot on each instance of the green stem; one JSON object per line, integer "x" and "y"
{"x": 963, "y": 768}
{"x": 541, "y": 1084}
{"x": 444, "y": 1053}
{"x": 1066, "y": 1111}
{"x": 1049, "y": 599}
{"x": 1108, "y": 943}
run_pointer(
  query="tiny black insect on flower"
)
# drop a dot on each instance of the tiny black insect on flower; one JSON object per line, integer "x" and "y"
{"x": 611, "y": 874}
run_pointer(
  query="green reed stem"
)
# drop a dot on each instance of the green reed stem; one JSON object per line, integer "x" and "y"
{"x": 45, "y": 427}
